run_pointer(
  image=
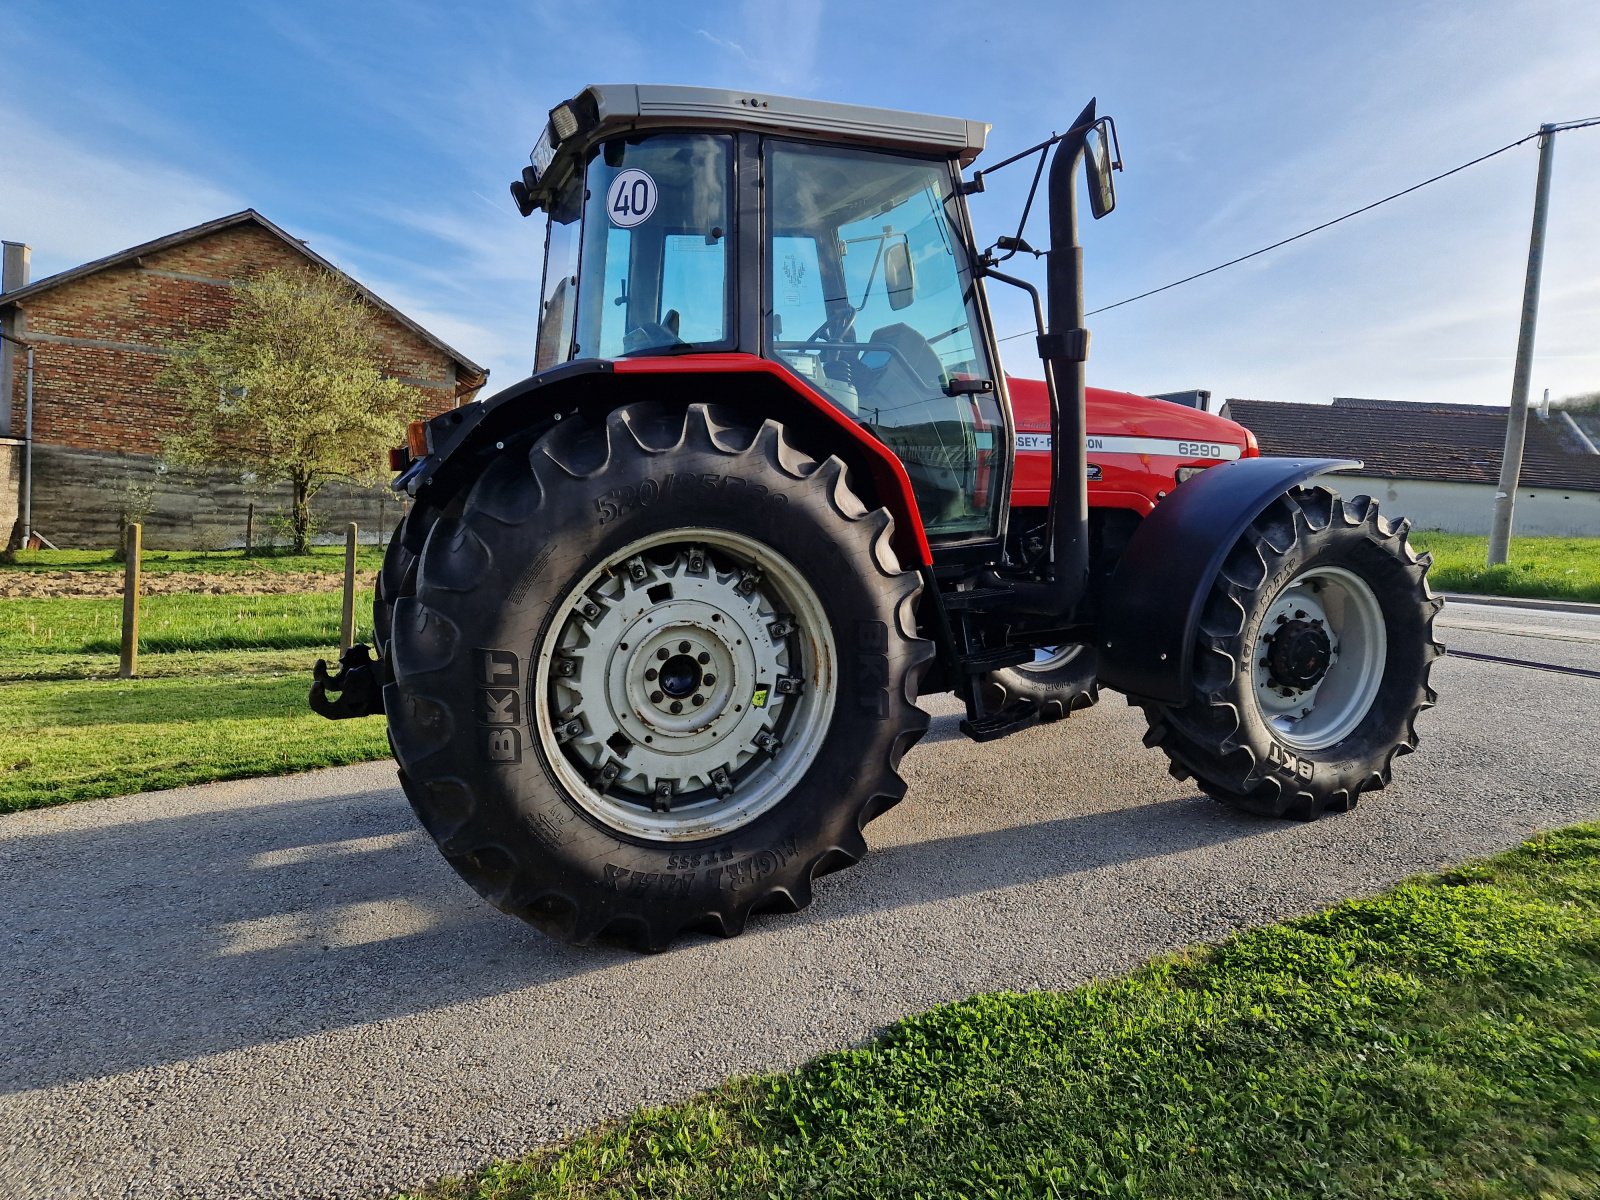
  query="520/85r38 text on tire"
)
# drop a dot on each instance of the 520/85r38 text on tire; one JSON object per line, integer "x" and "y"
{"x": 1311, "y": 664}
{"x": 654, "y": 673}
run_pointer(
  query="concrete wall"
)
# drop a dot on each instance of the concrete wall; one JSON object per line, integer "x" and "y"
{"x": 1469, "y": 507}
{"x": 10, "y": 487}
{"x": 79, "y": 497}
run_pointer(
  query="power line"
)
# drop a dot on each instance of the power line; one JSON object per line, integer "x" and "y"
{"x": 1232, "y": 262}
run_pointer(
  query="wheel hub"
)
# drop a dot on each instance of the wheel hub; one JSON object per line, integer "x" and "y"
{"x": 1300, "y": 654}
{"x": 688, "y": 680}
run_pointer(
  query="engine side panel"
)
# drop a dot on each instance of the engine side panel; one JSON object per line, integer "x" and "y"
{"x": 1136, "y": 446}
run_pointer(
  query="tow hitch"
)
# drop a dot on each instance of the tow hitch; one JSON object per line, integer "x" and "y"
{"x": 360, "y": 693}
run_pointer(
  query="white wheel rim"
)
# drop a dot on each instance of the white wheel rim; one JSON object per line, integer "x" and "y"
{"x": 1311, "y": 715}
{"x": 685, "y": 685}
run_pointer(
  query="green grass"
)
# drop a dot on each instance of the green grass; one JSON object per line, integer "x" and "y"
{"x": 1442, "y": 1040}
{"x": 174, "y": 623}
{"x": 1544, "y": 568}
{"x": 205, "y": 718}
{"x": 221, "y": 694}
{"x": 213, "y": 562}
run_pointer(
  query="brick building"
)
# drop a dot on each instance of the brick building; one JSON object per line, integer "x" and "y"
{"x": 100, "y": 335}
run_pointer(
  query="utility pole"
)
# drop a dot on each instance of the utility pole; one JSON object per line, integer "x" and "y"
{"x": 1505, "y": 497}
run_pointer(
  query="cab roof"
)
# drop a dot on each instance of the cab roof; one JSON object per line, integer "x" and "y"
{"x": 604, "y": 110}
{"x": 622, "y": 106}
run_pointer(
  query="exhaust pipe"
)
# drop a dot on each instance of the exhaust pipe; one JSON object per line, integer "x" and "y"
{"x": 1063, "y": 349}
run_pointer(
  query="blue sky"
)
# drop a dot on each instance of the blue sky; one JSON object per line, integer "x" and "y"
{"x": 385, "y": 134}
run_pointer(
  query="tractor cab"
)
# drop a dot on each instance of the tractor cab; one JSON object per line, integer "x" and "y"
{"x": 850, "y": 265}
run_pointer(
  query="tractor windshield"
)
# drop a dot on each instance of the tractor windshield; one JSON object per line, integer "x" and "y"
{"x": 652, "y": 253}
{"x": 872, "y": 301}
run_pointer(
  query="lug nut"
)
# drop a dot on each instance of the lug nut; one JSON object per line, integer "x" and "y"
{"x": 683, "y": 647}
{"x": 708, "y": 680}
{"x": 676, "y": 706}
{"x": 697, "y": 700}
{"x": 663, "y": 654}
{"x": 702, "y": 658}
{"x": 655, "y": 697}
{"x": 650, "y": 674}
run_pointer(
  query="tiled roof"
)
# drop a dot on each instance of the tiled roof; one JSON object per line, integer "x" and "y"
{"x": 248, "y": 216}
{"x": 1456, "y": 443}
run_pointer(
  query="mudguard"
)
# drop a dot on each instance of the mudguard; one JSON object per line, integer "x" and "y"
{"x": 758, "y": 385}
{"x": 1151, "y": 609}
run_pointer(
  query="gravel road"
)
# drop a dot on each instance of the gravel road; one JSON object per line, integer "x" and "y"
{"x": 277, "y": 988}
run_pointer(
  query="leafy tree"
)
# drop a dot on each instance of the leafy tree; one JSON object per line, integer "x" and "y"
{"x": 290, "y": 390}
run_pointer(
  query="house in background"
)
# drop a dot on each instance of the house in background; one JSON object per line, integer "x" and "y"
{"x": 1439, "y": 464}
{"x": 101, "y": 334}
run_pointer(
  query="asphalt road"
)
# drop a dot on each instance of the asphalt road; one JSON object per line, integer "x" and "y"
{"x": 277, "y": 987}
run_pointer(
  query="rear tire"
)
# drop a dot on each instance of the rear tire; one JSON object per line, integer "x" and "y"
{"x": 1061, "y": 680}
{"x": 575, "y": 764}
{"x": 1311, "y": 663}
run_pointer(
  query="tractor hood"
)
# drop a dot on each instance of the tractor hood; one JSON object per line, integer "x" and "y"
{"x": 1138, "y": 448}
{"x": 1122, "y": 414}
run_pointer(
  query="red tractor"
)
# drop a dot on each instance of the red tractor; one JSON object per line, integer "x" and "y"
{"x": 652, "y": 636}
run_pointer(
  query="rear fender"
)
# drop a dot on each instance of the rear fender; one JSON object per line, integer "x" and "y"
{"x": 756, "y": 386}
{"x": 1151, "y": 610}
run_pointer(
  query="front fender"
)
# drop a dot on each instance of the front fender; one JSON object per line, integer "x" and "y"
{"x": 758, "y": 387}
{"x": 1153, "y": 604}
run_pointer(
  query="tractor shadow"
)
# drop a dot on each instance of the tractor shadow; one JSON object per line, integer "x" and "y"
{"x": 146, "y": 941}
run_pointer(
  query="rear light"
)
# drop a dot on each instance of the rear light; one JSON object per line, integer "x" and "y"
{"x": 417, "y": 439}
{"x": 399, "y": 458}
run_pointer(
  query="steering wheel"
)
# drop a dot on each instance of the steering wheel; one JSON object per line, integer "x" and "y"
{"x": 821, "y": 332}
{"x": 648, "y": 335}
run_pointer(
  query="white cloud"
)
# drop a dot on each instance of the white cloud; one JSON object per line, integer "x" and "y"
{"x": 74, "y": 201}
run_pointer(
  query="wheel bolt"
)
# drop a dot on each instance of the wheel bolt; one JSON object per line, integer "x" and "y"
{"x": 650, "y": 674}
{"x": 655, "y": 697}
{"x": 708, "y": 680}
{"x": 697, "y": 701}
{"x": 683, "y": 647}
{"x": 663, "y": 654}
{"x": 703, "y": 658}
{"x": 677, "y": 706}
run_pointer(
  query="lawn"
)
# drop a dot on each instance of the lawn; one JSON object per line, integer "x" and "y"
{"x": 174, "y": 623}
{"x": 1545, "y": 568}
{"x": 1442, "y": 1040}
{"x": 212, "y": 717}
{"x": 221, "y": 694}
{"x": 214, "y": 562}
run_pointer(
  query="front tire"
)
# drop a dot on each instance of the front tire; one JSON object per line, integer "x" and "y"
{"x": 1060, "y": 680}
{"x": 654, "y": 674}
{"x": 1312, "y": 661}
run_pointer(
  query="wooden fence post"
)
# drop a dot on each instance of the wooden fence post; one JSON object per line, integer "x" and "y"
{"x": 347, "y": 619}
{"x": 249, "y": 530}
{"x": 133, "y": 548}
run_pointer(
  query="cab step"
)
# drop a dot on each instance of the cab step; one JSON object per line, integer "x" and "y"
{"x": 1013, "y": 718}
{"x": 996, "y": 658}
{"x": 983, "y": 597}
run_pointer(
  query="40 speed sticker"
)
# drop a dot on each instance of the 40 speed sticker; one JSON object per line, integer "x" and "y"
{"x": 631, "y": 198}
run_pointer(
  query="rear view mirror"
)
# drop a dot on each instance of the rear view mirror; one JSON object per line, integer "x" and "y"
{"x": 899, "y": 276}
{"x": 1103, "y": 156}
